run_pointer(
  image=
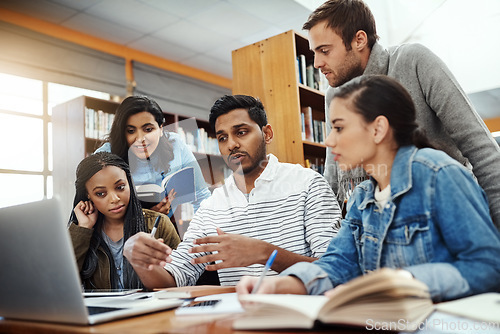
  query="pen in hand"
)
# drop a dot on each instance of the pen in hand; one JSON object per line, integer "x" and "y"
{"x": 268, "y": 265}
{"x": 153, "y": 231}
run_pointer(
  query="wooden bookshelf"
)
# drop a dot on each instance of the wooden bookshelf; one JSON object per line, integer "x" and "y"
{"x": 72, "y": 143}
{"x": 269, "y": 70}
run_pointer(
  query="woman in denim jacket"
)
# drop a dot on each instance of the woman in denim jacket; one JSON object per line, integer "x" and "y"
{"x": 420, "y": 211}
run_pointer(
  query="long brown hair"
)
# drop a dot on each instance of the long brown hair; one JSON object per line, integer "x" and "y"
{"x": 117, "y": 138}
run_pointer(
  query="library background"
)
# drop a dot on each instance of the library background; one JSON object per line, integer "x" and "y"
{"x": 58, "y": 96}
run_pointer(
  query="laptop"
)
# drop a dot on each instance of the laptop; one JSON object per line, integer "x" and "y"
{"x": 40, "y": 279}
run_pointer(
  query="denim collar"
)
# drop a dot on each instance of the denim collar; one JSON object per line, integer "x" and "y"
{"x": 401, "y": 177}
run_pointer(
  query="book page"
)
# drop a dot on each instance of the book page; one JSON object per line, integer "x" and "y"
{"x": 384, "y": 281}
{"x": 279, "y": 311}
{"x": 483, "y": 307}
{"x": 307, "y": 305}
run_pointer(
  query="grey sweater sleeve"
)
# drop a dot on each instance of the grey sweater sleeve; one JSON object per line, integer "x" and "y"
{"x": 444, "y": 95}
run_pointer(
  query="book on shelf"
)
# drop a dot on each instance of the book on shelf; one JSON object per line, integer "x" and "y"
{"x": 387, "y": 296}
{"x": 302, "y": 68}
{"x": 313, "y": 130}
{"x": 319, "y": 133}
{"x": 302, "y": 126}
{"x": 310, "y": 76}
{"x": 97, "y": 123}
{"x": 320, "y": 168}
{"x": 199, "y": 141}
{"x": 182, "y": 181}
{"x": 298, "y": 71}
{"x": 308, "y": 123}
{"x": 310, "y": 82}
{"x": 320, "y": 82}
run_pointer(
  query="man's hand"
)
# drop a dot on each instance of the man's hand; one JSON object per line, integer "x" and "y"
{"x": 247, "y": 283}
{"x": 145, "y": 252}
{"x": 276, "y": 285}
{"x": 233, "y": 250}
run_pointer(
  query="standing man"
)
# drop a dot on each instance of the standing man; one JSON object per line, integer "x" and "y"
{"x": 343, "y": 37}
{"x": 264, "y": 205}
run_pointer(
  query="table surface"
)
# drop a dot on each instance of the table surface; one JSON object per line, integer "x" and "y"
{"x": 159, "y": 322}
{"x": 168, "y": 322}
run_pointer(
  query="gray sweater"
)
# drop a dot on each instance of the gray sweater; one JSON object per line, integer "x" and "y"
{"x": 443, "y": 111}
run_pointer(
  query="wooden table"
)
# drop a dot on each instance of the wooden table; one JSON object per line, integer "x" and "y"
{"x": 159, "y": 322}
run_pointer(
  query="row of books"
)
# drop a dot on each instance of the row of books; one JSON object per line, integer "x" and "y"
{"x": 310, "y": 76}
{"x": 199, "y": 141}
{"x": 312, "y": 130}
{"x": 97, "y": 123}
{"x": 316, "y": 166}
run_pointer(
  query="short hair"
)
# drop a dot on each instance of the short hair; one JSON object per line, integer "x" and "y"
{"x": 346, "y": 18}
{"x": 229, "y": 103}
{"x": 379, "y": 95}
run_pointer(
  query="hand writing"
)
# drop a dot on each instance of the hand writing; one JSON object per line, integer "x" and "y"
{"x": 247, "y": 283}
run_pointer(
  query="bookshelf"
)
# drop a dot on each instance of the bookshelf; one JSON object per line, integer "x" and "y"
{"x": 80, "y": 125}
{"x": 275, "y": 71}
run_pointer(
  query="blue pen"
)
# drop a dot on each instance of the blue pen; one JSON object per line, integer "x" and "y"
{"x": 269, "y": 263}
{"x": 153, "y": 231}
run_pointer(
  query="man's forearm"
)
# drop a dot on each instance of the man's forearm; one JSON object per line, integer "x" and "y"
{"x": 285, "y": 259}
{"x": 156, "y": 278}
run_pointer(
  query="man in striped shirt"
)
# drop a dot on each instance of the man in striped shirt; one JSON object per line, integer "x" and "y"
{"x": 264, "y": 205}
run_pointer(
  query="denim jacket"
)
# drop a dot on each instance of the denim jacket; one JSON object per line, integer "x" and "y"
{"x": 436, "y": 224}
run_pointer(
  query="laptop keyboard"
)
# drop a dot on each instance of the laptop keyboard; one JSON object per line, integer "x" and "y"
{"x": 98, "y": 309}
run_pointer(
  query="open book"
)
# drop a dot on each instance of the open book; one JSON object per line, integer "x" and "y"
{"x": 387, "y": 298}
{"x": 182, "y": 181}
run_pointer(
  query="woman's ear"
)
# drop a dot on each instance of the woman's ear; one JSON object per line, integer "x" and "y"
{"x": 381, "y": 128}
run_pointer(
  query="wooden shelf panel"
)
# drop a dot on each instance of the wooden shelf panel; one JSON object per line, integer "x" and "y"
{"x": 314, "y": 149}
{"x": 268, "y": 70}
{"x": 311, "y": 143}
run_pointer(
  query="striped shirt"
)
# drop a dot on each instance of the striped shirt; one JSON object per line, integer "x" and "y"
{"x": 291, "y": 207}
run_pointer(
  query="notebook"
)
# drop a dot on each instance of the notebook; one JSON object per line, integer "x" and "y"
{"x": 40, "y": 279}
